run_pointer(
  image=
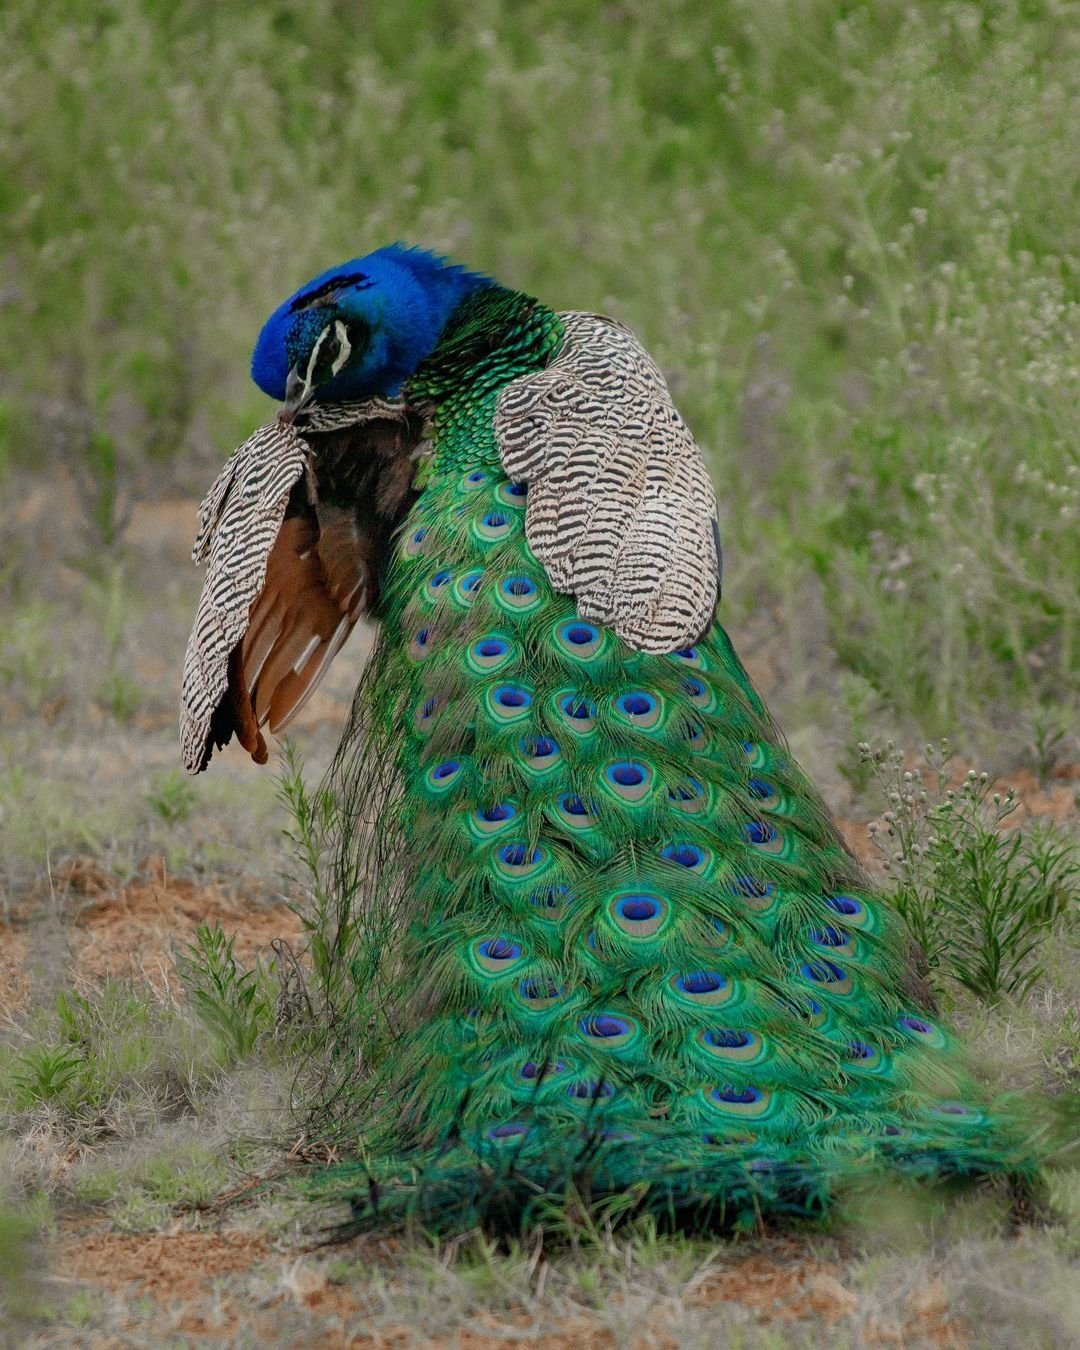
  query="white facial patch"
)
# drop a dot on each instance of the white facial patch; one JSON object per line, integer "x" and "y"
{"x": 344, "y": 346}
{"x": 341, "y": 336}
{"x": 309, "y": 374}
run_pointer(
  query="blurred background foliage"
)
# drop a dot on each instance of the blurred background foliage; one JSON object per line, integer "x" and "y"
{"x": 848, "y": 231}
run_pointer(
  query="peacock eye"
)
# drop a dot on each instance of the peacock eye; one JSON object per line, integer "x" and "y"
{"x": 331, "y": 351}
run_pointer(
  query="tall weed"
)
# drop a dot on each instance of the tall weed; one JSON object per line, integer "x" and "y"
{"x": 979, "y": 896}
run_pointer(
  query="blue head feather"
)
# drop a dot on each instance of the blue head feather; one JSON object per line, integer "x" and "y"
{"x": 390, "y": 308}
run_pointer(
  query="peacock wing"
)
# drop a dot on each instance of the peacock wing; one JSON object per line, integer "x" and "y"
{"x": 293, "y": 531}
{"x": 239, "y": 522}
{"x": 621, "y": 510}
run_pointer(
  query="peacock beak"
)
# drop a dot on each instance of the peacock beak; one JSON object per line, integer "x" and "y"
{"x": 298, "y": 391}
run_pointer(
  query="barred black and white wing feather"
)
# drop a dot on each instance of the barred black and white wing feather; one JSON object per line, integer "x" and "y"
{"x": 621, "y": 511}
{"x": 294, "y": 532}
{"x": 239, "y": 522}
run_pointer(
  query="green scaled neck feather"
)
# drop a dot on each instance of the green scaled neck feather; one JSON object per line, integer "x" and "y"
{"x": 603, "y": 934}
{"x": 492, "y": 337}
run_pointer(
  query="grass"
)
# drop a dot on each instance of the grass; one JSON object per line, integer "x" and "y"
{"x": 845, "y": 232}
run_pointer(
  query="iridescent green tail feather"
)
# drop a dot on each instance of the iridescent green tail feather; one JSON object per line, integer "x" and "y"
{"x": 606, "y": 935}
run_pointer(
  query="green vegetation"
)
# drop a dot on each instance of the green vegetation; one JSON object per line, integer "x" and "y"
{"x": 980, "y": 899}
{"x": 113, "y": 1050}
{"x": 234, "y": 1003}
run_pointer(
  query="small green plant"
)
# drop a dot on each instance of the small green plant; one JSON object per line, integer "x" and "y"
{"x": 103, "y": 492}
{"x": 311, "y": 816}
{"x": 32, "y": 666}
{"x": 979, "y": 896}
{"x": 117, "y": 690}
{"x": 234, "y": 1002}
{"x": 119, "y": 695}
{"x": 1049, "y": 737}
{"x": 46, "y": 1072}
{"x": 171, "y": 798}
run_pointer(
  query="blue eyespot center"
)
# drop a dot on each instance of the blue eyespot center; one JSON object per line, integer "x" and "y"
{"x": 446, "y": 769}
{"x": 843, "y": 904}
{"x": 535, "y": 990}
{"x": 740, "y": 1096}
{"x": 494, "y": 520}
{"x": 519, "y": 586}
{"x": 531, "y": 1070}
{"x": 551, "y": 897}
{"x": 860, "y": 1050}
{"x": 684, "y": 855}
{"x": 823, "y": 972}
{"x": 518, "y": 855}
{"x": 700, "y": 982}
{"x": 636, "y": 705}
{"x": 500, "y": 949}
{"x": 504, "y": 811}
{"x": 541, "y": 748}
{"x": 917, "y": 1025}
{"x": 491, "y": 647}
{"x": 510, "y": 696}
{"x": 590, "y": 1090}
{"x": 627, "y": 774}
{"x": 759, "y": 832}
{"x": 573, "y": 806}
{"x": 727, "y": 1038}
{"x": 580, "y": 634}
{"x": 829, "y": 937}
{"x": 511, "y": 1131}
{"x": 752, "y": 888}
{"x": 637, "y": 908}
{"x": 603, "y": 1027}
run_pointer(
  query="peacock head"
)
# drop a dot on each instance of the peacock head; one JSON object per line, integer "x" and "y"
{"x": 360, "y": 329}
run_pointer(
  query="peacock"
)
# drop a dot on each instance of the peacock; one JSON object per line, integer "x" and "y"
{"x": 607, "y": 938}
